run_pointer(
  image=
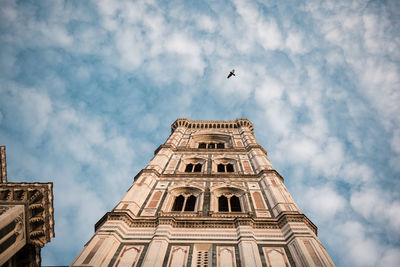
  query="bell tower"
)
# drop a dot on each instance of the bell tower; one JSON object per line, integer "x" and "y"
{"x": 209, "y": 197}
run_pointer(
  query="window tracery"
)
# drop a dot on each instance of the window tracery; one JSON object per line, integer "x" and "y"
{"x": 210, "y": 140}
{"x": 203, "y": 145}
{"x": 229, "y": 199}
{"x": 184, "y": 203}
{"x": 197, "y": 167}
{"x": 189, "y": 167}
{"x": 230, "y": 203}
{"x": 225, "y": 167}
{"x": 183, "y": 199}
{"x": 194, "y": 167}
{"x": 178, "y": 204}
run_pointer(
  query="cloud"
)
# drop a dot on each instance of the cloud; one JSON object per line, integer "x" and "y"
{"x": 37, "y": 107}
{"x": 88, "y": 87}
{"x": 295, "y": 42}
{"x": 375, "y": 205}
{"x": 357, "y": 173}
{"x": 79, "y": 147}
{"x": 361, "y": 250}
{"x": 324, "y": 202}
{"x": 395, "y": 142}
{"x": 269, "y": 90}
{"x": 206, "y": 23}
{"x": 264, "y": 31}
{"x": 361, "y": 247}
{"x": 188, "y": 51}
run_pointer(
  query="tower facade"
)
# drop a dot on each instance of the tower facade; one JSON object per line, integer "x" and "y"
{"x": 209, "y": 197}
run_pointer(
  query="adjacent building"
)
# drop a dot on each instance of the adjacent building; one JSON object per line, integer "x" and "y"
{"x": 209, "y": 197}
{"x": 26, "y": 219}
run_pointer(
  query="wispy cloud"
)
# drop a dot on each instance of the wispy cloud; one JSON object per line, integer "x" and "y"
{"x": 88, "y": 90}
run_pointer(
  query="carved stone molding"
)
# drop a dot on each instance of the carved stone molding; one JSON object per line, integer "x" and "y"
{"x": 37, "y": 199}
{"x": 235, "y": 176}
{"x": 288, "y": 217}
{"x": 183, "y": 122}
{"x": 208, "y": 222}
{"x": 12, "y": 230}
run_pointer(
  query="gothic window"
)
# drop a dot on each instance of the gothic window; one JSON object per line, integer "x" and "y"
{"x": 229, "y": 167}
{"x": 235, "y": 204}
{"x": 178, "y": 204}
{"x": 184, "y": 203}
{"x": 189, "y": 167}
{"x": 202, "y": 145}
{"x": 193, "y": 168}
{"x": 229, "y": 204}
{"x": 225, "y": 168}
{"x": 197, "y": 167}
{"x": 221, "y": 167}
{"x": 223, "y": 203}
{"x": 190, "y": 203}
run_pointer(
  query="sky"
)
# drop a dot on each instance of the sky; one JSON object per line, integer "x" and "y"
{"x": 89, "y": 89}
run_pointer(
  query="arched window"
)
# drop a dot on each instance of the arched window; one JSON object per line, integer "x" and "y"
{"x": 197, "y": 167}
{"x": 229, "y": 167}
{"x": 178, "y": 204}
{"x": 190, "y": 203}
{"x": 183, "y": 203}
{"x": 223, "y": 204}
{"x": 220, "y": 145}
{"x": 202, "y": 145}
{"x": 211, "y": 145}
{"x": 189, "y": 167}
{"x": 221, "y": 167}
{"x": 235, "y": 204}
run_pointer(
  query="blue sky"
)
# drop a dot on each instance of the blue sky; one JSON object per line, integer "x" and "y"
{"x": 89, "y": 89}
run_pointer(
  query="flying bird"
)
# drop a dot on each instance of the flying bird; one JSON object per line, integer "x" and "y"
{"x": 231, "y": 73}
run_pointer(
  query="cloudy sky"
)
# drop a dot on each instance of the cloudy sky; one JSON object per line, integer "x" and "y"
{"x": 89, "y": 89}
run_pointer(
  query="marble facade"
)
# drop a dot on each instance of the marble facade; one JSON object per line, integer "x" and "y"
{"x": 209, "y": 197}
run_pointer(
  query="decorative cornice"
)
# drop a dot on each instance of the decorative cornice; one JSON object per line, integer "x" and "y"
{"x": 220, "y": 150}
{"x": 248, "y": 148}
{"x": 207, "y": 222}
{"x": 38, "y": 201}
{"x": 241, "y": 122}
{"x": 288, "y": 217}
{"x": 200, "y": 175}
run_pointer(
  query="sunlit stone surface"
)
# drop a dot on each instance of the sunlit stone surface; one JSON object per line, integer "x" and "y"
{"x": 209, "y": 197}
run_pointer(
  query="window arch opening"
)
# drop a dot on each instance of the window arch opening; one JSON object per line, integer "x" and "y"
{"x": 189, "y": 167}
{"x": 178, "y": 204}
{"x": 229, "y": 167}
{"x": 220, "y": 145}
{"x": 202, "y": 145}
{"x": 190, "y": 203}
{"x": 235, "y": 204}
{"x": 211, "y": 145}
{"x": 221, "y": 167}
{"x": 197, "y": 167}
{"x": 223, "y": 204}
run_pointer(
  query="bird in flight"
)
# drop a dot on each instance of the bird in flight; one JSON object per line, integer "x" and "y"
{"x": 231, "y": 73}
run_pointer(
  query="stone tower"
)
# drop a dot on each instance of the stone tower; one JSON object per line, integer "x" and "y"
{"x": 209, "y": 197}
